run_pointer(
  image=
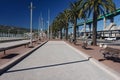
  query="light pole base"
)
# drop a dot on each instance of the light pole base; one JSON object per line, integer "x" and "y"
{"x": 31, "y": 45}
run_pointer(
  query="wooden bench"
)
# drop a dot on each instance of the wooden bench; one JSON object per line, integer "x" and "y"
{"x": 74, "y": 41}
{"x": 84, "y": 45}
{"x": 71, "y": 40}
{"x": 13, "y": 46}
{"x": 109, "y": 52}
{"x": 2, "y": 49}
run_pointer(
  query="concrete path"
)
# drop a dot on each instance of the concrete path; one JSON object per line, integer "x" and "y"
{"x": 56, "y": 61}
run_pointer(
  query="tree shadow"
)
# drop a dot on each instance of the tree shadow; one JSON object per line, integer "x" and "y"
{"x": 9, "y": 56}
{"x": 115, "y": 59}
{"x": 89, "y": 48}
{"x": 102, "y": 59}
{"x": 47, "y": 66}
{"x": 111, "y": 58}
{"x": 77, "y": 44}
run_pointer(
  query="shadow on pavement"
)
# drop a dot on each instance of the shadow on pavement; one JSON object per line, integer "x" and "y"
{"x": 102, "y": 59}
{"x": 9, "y": 56}
{"x": 78, "y": 44}
{"x": 47, "y": 66}
{"x": 113, "y": 59}
{"x": 88, "y": 48}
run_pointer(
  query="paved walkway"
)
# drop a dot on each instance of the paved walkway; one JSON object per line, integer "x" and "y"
{"x": 56, "y": 61}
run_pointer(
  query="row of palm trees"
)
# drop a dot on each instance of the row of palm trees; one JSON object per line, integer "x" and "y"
{"x": 78, "y": 10}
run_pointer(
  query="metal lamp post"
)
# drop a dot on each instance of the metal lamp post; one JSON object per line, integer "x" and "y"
{"x": 31, "y": 9}
{"x": 48, "y": 24}
{"x": 9, "y": 32}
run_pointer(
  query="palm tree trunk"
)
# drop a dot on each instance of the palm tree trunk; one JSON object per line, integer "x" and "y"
{"x": 64, "y": 34}
{"x": 77, "y": 30}
{"x": 85, "y": 26}
{"x": 94, "y": 28}
{"x": 90, "y": 28}
{"x": 60, "y": 33}
{"x": 66, "y": 31}
{"x": 85, "y": 29}
{"x": 74, "y": 30}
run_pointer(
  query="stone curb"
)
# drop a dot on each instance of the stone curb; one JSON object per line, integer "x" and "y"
{"x": 13, "y": 62}
{"x": 97, "y": 63}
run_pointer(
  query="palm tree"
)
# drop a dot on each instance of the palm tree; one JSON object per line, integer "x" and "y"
{"x": 59, "y": 24}
{"x": 62, "y": 22}
{"x": 82, "y": 14}
{"x": 74, "y": 12}
{"x": 97, "y": 7}
{"x": 55, "y": 29}
{"x": 66, "y": 18}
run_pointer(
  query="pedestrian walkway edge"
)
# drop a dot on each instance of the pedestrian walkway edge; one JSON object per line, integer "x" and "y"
{"x": 97, "y": 63}
{"x": 13, "y": 62}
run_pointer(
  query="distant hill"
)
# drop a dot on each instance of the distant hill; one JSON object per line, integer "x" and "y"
{"x": 12, "y": 29}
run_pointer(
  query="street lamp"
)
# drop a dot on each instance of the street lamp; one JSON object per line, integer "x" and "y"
{"x": 48, "y": 24}
{"x": 9, "y": 32}
{"x": 31, "y": 9}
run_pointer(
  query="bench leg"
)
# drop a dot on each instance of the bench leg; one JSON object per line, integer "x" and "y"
{"x": 4, "y": 52}
{"x": 25, "y": 46}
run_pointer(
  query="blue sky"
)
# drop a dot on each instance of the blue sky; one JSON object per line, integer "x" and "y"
{"x": 17, "y": 13}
